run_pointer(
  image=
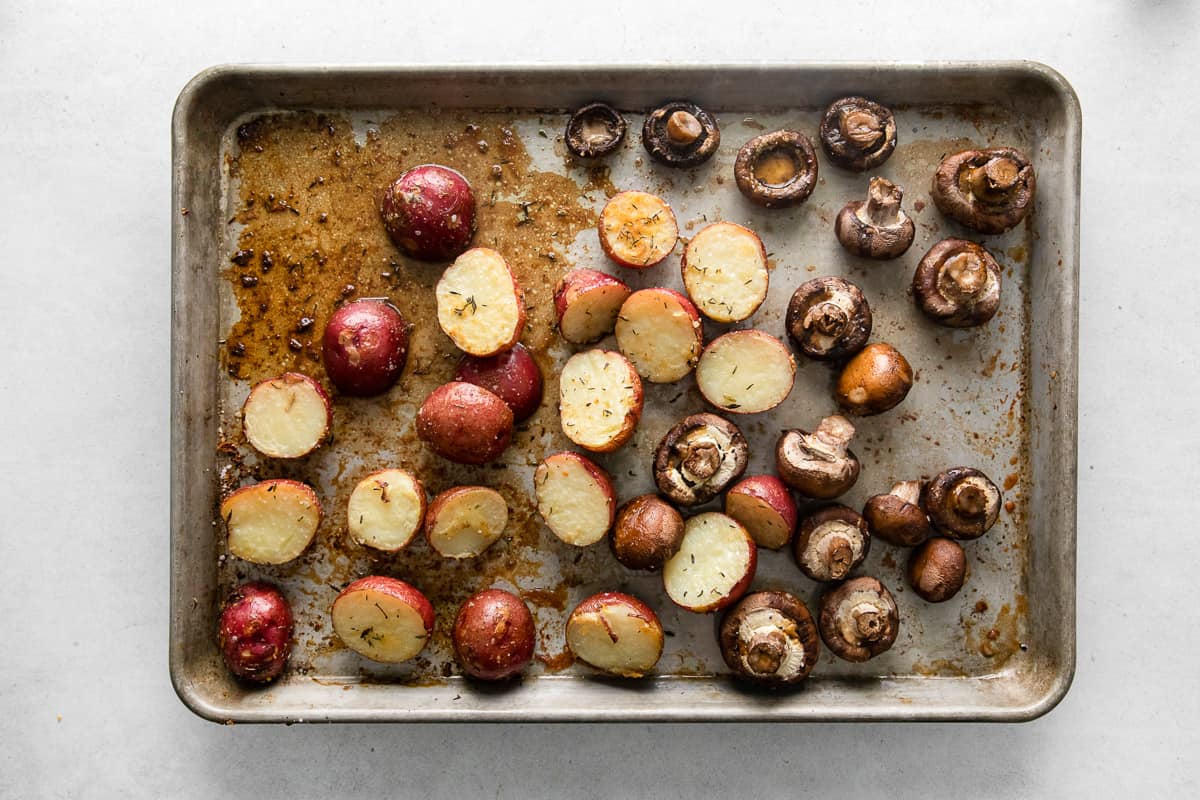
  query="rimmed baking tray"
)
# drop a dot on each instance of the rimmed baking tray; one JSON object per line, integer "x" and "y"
{"x": 1002, "y": 398}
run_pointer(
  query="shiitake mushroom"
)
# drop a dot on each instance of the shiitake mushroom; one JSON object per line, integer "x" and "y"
{"x": 957, "y": 284}
{"x": 857, "y": 133}
{"x": 828, "y": 319}
{"x": 595, "y": 130}
{"x": 989, "y": 190}
{"x": 777, "y": 169}
{"x": 680, "y": 134}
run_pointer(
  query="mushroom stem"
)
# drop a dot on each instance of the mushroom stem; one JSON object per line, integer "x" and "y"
{"x": 836, "y": 432}
{"x": 963, "y": 276}
{"x": 766, "y": 651}
{"x": 860, "y": 126}
{"x": 683, "y": 128}
{"x": 969, "y": 500}
{"x": 994, "y": 178}
{"x": 870, "y": 624}
{"x": 908, "y": 491}
{"x": 841, "y": 557}
{"x": 882, "y": 208}
{"x": 701, "y": 459}
{"x": 827, "y": 318}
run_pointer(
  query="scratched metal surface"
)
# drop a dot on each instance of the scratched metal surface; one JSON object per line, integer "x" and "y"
{"x": 1000, "y": 398}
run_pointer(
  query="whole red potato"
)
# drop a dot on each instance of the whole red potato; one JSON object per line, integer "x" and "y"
{"x": 255, "y": 632}
{"x": 365, "y": 347}
{"x": 513, "y": 376}
{"x": 493, "y": 635}
{"x": 429, "y": 212}
{"x": 465, "y": 423}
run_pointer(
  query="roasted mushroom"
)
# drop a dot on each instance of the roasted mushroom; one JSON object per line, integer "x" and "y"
{"x": 595, "y": 130}
{"x": 988, "y": 190}
{"x": 875, "y": 380}
{"x": 859, "y": 619}
{"x": 877, "y": 228}
{"x": 962, "y": 502}
{"x": 832, "y": 541}
{"x": 777, "y": 169}
{"x": 820, "y": 464}
{"x": 828, "y": 319}
{"x": 698, "y": 458}
{"x": 957, "y": 284}
{"x": 647, "y": 532}
{"x": 897, "y": 517}
{"x": 937, "y": 569}
{"x": 769, "y": 638}
{"x": 858, "y": 134}
{"x": 680, "y": 134}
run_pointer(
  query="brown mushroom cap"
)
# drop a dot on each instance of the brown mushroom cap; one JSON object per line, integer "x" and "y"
{"x": 877, "y": 228}
{"x": 831, "y": 543}
{"x": 698, "y": 458}
{"x": 962, "y": 503}
{"x": 680, "y": 134}
{"x": 858, "y": 134}
{"x": 874, "y": 381}
{"x": 859, "y": 619}
{"x": 988, "y": 190}
{"x": 828, "y": 319}
{"x": 770, "y": 638}
{"x": 647, "y": 532}
{"x": 777, "y": 169}
{"x": 897, "y": 517}
{"x": 937, "y": 569}
{"x": 820, "y": 464}
{"x": 957, "y": 284}
{"x": 595, "y": 130}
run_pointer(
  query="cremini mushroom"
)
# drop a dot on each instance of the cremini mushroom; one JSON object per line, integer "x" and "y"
{"x": 858, "y": 134}
{"x": 698, "y": 458}
{"x": 937, "y": 569}
{"x": 595, "y": 130}
{"x": 962, "y": 503}
{"x": 897, "y": 517}
{"x": 777, "y": 169}
{"x": 828, "y": 319}
{"x": 832, "y": 541}
{"x": 648, "y": 531}
{"x": 859, "y": 619}
{"x": 874, "y": 381}
{"x": 680, "y": 134}
{"x": 957, "y": 284}
{"x": 876, "y": 228}
{"x": 989, "y": 191}
{"x": 769, "y": 638}
{"x": 820, "y": 464}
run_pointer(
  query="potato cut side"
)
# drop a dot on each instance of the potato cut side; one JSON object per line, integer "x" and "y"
{"x": 287, "y": 416}
{"x": 615, "y": 639}
{"x": 591, "y": 315}
{"x": 575, "y": 498}
{"x": 379, "y": 625}
{"x": 478, "y": 303}
{"x": 386, "y": 510}
{"x": 637, "y": 229}
{"x": 600, "y": 399}
{"x": 764, "y": 524}
{"x": 725, "y": 272}
{"x": 746, "y": 372}
{"x": 659, "y": 331}
{"x": 271, "y": 522}
{"x": 714, "y": 563}
{"x": 464, "y": 521}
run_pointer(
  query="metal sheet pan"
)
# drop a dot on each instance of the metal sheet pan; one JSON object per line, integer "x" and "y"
{"x": 1002, "y": 398}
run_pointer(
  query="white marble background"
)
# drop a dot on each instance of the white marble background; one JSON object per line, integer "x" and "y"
{"x": 86, "y": 708}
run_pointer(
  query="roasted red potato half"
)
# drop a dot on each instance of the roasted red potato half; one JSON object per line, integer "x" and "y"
{"x": 586, "y": 303}
{"x": 386, "y": 510}
{"x": 575, "y": 497}
{"x": 659, "y": 331}
{"x": 271, "y": 522}
{"x": 745, "y": 372}
{"x": 637, "y": 230}
{"x": 714, "y": 565}
{"x": 479, "y": 303}
{"x": 465, "y": 423}
{"x": 599, "y": 400}
{"x": 383, "y": 619}
{"x": 255, "y": 632}
{"x": 429, "y": 212}
{"x": 764, "y": 506}
{"x": 615, "y": 633}
{"x": 513, "y": 376}
{"x": 493, "y": 635}
{"x": 464, "y": 521}
{"x": 725, "y": 271}
{"x": 287, "y": 417}
{"x": 364, "y": 347}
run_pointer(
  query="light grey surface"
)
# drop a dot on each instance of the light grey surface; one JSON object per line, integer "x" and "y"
{"x": 84, "y": 111}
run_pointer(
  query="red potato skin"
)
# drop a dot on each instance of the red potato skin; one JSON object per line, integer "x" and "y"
{"x": 575, "y": 285}
{"x": 465, "y": 423}
{"x": 493, "y": 635}
{"x": 365, "y": 347}
{"x": 255, "y": 632}
{"x": 429, "y": 212}
{"x": 316, "y": 501}
{"x": 598, "y": 602}
{"x": 513, "y": 376}
{"x": 406, "y": 593}
{"x": 774, "y": 493}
